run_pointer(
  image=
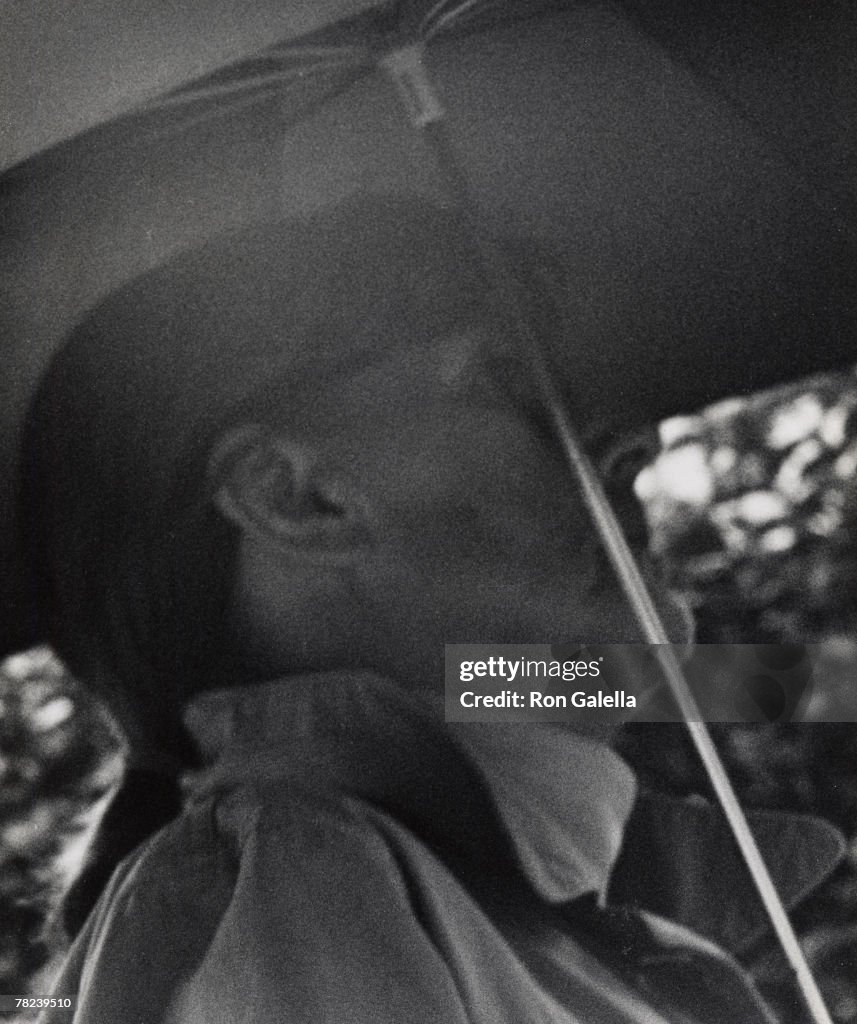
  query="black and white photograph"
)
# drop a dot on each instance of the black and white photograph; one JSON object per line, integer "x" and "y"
{"x": 428, "y": 512}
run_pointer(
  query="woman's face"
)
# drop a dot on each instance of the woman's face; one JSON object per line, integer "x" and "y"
{"x": 482, "y": 532}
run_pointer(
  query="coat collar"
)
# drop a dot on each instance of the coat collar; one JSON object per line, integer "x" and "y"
{"x": 542, "y": 799}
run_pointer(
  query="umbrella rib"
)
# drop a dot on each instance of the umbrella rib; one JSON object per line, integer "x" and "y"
{"x": 428, "y": 18}
{"x": 316, "y": 52}
{"x": 262, "y": 83}
{"x": 435, "y": 21}
{"x": 213, "y": 112}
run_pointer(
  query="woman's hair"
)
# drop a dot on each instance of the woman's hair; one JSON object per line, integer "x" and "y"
{"x": 134, "y": 566}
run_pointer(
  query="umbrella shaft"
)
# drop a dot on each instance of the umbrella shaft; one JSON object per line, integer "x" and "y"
{"x": 407, "y": 70}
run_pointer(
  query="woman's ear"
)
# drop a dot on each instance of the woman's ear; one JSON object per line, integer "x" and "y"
{"x": 286, "y": 495}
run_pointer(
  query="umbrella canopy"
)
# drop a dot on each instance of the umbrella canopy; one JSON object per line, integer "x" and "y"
{"x": 65, "y": 68}
{"x": 690, "y": 172}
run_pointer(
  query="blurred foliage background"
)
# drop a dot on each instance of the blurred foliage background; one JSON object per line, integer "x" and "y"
{"x": 752, "y": 510}
{"x": 61, "y": 756}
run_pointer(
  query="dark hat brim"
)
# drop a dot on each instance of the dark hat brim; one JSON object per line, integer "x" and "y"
{"x": 699, "y": 251}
